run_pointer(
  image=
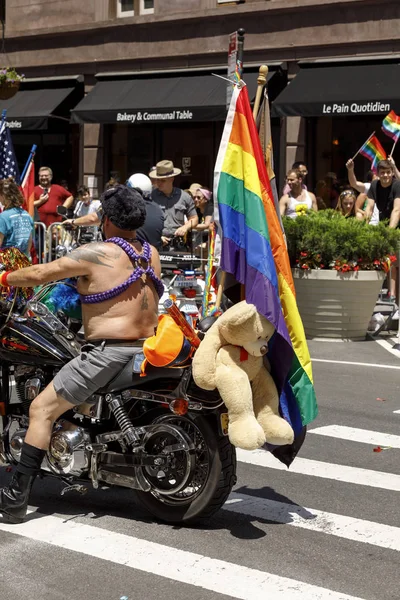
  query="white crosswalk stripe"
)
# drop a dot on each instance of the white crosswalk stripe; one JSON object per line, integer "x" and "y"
{"x": 221, "y": 575}
{"x": 319, "y": 521}
{"x": 316, "y": 468}
{"x": 352, "y": 434}
{"x": 187, "y": 567}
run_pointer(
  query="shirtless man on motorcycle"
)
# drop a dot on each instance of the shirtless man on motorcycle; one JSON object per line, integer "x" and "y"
{"x": 120, "y": 288}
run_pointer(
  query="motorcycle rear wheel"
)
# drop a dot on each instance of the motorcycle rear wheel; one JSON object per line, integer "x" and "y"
{"x": 219, "y": 459}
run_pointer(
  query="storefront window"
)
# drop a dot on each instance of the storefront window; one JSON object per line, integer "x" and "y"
{"x": 131, "y": 150}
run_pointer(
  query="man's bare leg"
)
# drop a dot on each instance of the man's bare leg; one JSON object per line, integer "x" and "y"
{"x": 44, "y": 410}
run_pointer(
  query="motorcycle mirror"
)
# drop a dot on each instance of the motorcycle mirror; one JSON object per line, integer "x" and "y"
{"x": 61, "y": 210}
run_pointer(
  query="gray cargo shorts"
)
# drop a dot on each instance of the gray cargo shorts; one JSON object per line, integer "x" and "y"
{"x": 96, "y": 366}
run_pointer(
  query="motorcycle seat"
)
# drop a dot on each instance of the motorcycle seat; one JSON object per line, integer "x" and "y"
{"x": 129, "y": 378}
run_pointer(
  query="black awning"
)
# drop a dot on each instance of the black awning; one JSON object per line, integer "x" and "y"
{"x": 340, "y": 91}
{"x": 31, "y": 108}
{"x": 146, "y": 100}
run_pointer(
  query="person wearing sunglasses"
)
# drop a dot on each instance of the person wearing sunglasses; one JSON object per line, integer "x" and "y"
{"x": 205, "y": 210}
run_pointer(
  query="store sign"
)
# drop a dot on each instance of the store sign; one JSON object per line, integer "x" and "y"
{"x": 140, "y": 117}
{"x": 355, "y": 108}
{"x": 14, "y": 124}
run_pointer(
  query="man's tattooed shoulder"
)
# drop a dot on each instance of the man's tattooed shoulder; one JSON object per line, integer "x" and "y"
{"x": 97, "y": 253}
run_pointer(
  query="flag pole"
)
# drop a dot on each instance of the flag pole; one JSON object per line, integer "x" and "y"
{"x": 394, "y": 145}
{"x": 3, "y": 119}
{"x": 366, "y": 142}
{"x": 239, "y": 70}
{"x": 239, "y": 59}
{"x": 261, "y": 81}
{"x": 28, "y": 162}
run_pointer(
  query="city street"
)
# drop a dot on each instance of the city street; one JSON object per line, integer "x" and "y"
{"x": 327, "y": 529}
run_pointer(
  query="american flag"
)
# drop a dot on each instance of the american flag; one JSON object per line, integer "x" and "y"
{"x": 8, "y": 161}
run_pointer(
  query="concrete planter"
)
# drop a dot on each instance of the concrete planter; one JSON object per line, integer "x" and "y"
{"x": 337, "y": 305}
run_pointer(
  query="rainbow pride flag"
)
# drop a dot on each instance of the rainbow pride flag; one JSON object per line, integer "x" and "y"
{"x": 391, "y": 125}
{"x": 373, "y": 150}
{"x": 253, "y": 250}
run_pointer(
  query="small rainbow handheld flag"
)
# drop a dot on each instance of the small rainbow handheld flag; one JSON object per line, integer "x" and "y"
{"x": 391, "y": 125}
{"x": 373, "y": 150}
{"x": 254, "y": 252}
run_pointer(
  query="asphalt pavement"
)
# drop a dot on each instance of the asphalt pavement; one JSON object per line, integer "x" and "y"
{"x": 326, "y": 529}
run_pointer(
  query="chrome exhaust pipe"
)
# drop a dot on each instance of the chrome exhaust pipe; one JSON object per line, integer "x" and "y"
{"x": 3, "y": 458}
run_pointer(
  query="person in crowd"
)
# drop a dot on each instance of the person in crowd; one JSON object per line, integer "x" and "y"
{"x": 85, "y": 204}
{"x": 193, "y": 189}
{"x": 153, "y": 226}
{"x": 46, "y": 197}
{"x": 154, "y": 223}
{"x": 301, "y": 167}
{"x": 205, "y": 211}
{"x": 16, "y": 224}
{"x": 362, "y": 187}
{"x": 347, "y": 203}
{"x": 178, "y": 206}
{"x": 112, "y": 182}
{"x": 112, "y": 327}
{"x": 297, "y": 199}
{"x": 385, "y": 194}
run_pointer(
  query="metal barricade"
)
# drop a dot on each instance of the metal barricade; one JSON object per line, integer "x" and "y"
{"x": 40, "y": 241}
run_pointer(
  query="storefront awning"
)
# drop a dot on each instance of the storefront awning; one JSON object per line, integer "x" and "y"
{"x": 145, "y": 100}
{"x": 340, "y": 91}
{"x": 30, "y": 108}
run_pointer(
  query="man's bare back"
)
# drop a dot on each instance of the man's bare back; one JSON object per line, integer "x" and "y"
{"x": 133, "y": 314}
{"x": 101, "y": 266}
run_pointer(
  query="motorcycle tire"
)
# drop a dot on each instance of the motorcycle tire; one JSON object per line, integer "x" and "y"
{"x": 220, "y": 481}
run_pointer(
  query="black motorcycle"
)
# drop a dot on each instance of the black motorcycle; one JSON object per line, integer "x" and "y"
{"x": 159, "y": 435}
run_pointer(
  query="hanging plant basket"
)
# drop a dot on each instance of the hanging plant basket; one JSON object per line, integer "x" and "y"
{"x": 8, "y": 89}
{"x": 9, "y": 82}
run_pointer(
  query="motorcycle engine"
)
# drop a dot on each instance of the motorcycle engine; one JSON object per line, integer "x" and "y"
{"x": 68, "y": 452}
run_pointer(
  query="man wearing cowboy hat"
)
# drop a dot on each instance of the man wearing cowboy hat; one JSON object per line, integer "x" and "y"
{"x": 175, "y": 203}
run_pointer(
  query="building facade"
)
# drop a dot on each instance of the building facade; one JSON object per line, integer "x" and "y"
{"x": 121, "y": 84}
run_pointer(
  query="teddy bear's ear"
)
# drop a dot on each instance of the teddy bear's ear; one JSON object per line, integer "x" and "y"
{"x": 238, "y": 314}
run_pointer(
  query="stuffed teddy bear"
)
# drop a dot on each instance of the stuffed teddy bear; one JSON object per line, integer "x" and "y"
{"x": 230, "y": 358}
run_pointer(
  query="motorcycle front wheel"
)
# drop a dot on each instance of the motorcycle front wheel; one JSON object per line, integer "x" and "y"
{"x": 212, "y": 475}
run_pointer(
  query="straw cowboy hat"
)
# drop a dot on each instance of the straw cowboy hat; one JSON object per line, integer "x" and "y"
{"x": 164, "y": 169}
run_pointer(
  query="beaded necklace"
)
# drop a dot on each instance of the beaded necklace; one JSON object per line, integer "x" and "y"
{"x": 140, "y": 270}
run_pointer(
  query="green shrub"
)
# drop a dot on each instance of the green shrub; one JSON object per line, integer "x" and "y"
{"x": 327, "y": 240}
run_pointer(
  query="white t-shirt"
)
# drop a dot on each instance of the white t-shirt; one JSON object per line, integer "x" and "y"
{"x": 375, "y": 214}
{"x": 82, "y": 209}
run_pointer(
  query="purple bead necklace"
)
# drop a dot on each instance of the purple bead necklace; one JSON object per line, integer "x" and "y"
{"x": 137, "y": 273}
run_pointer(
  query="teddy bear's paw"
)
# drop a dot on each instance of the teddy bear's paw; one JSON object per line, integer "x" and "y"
{"x": 246, "y": 433}
{"x": 277, "y": 431}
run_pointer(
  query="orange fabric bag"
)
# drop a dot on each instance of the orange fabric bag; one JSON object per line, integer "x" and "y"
{"x": 168, "y": 347}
